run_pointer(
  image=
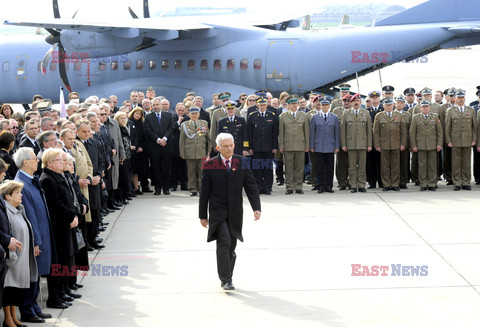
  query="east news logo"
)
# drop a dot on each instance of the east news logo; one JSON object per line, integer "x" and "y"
{"x": 396, "y": 270}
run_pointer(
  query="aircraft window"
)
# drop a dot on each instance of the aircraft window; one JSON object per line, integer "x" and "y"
{"x": 6, "y": 66}
{"x": 204, "y": 64}
{"x": 230, "y": 63}
{"x": 244, "y": 64}
{"x": 165, "y": 64}
{"x": 257, "y": 64}
{"x": 191, "y": 64}
{"x": 53, "y": 65}
{"x": 114, "y": 65}
{"x": 127, "y": 64}
{"x": 178, "y": 64}
{"x": 101, "y": 66}
{"x": 77, "y": 66}
{"x": 153, "y": 64}
{"x": 217, "y": 64}
{"x": 139, "y": 64}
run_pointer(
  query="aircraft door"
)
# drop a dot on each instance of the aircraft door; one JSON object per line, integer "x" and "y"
{"x": 21, "y": 67}
{"x": 278, "y": 66}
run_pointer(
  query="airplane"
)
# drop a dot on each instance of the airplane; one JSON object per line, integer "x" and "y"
{"x": 175, "y": 55}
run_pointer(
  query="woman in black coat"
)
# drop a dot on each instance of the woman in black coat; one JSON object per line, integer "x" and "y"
{"x": 125, "y": 169}
{"x": 64, "y": 219}
{"x": 139, "y": 170}
{"x": 7, "y": 142}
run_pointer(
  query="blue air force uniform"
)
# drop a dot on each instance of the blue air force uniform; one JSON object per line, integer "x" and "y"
{"x": 238, "y": 128}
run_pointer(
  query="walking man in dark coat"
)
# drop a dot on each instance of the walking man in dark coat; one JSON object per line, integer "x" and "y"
{"x": 224, "y": 177}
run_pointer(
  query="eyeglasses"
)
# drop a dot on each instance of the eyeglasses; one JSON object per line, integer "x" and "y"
{"x": 14, "y": 127}
{"x": 243, "y": 99}
{"x": 251, "y": 100}
{"x": 103, "y": 114}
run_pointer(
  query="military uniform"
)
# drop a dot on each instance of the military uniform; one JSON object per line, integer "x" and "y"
{"x": 262, "y": 131}
{"x": 313, "y": 164}
{"x": 447, "y": 151}
{"x": 461, "y": 131}
{"x": 356, "y": 136}
{"x": 238, "y": 128}
{"x": 405, "y": 155}
{"x": 426, "y": 134}
{"x": 194, "y": 145}
{"x": 389, "y": 134}
{"x": 341, "y": 168}
{"x": 294, "y": 140}
{"x": 373, "y": 157}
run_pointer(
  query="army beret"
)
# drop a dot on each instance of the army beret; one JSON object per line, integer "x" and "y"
{"x": 400, "y": 98}
{"x": 387, "y": 101}
{"x": 344, "y": 87}
{"x": 261, "y": 93}
{"x": 418, "y": 95}
{"x": 425, "y": 103}
{"x": 388, "y": 89}
{"x": 262, "y": 101}
{"x": 224, "y": 95}
{"x": 324, "y": 100}
{"x": 355, "y": 96}
{"x": 194, "y": 110}
{"x": 409, "y": 90}
{"x": 291, "y": 99}
{"x": 347, "y": 97}
{"x": 460, "y": 93}
{"x": 374, "y": 94}
{"x": 426, "y": 91}
{"x": 230, "y": 104}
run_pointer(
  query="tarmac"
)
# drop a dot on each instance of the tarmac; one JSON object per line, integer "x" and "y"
{"x": 295, "y": 266}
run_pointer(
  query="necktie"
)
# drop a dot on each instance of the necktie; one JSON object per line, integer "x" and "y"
{"x": 227, "y": 163}
{"x": 231, "y": 119}
{"x": 195, "y": 125}
{"x": 325, "y": 117}
{"x": 293, "y": 116}
{"x": 158, "y": 117}
{"x": 425, "y": 116}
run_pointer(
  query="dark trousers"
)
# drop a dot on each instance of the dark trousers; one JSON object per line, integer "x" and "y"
{"x": 179, "y": 172}
{"x": 374, "y": 168}
{"x": 325, "y": 167}
{"x": 476, "y": 163}
{"x": 262, "y": 167}
{"x": 279, "y": 172}
{"x": 160, "y": 169}
{"x": 92, "y": 227}
{"x": 447, "y": 163}
{"x": 29, "y": 307}
{"x": 226, "y": 256}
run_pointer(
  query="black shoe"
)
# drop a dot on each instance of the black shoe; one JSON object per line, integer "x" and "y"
{"x": 106, "y": 223}
{"x": 193, "y": 193}
{"x": 432, "y": 189}
{"x": 133, "y": 195}
{"x": 228, "y": 286}
{"x": 166, "y": 191}
{"x": 146, "y": 190}
{"x": 173, "y": 189}
{"x": 118, "y": 204}
{"x": 44, "y": 315}
{"x": 396, "y": 189}
{"x": 268, "y": 193}
{"x": 98, "y": 239}
{"x": 102, "y": 229}
{"x": 362, "y": 189}
{"x": 113, "y": 208}
{"x": 288, "y": 192}
{"x": 417, "y": 183}
{"x": 299, "y": 191}
{"x": 184, "y": 188}
{"x": 477, "y": 183}
{"x": 342, "y": 188}
{"x": 78, "y": 285}
{"x": 32, "y": 319}
{"x": 315, "y": 187}
{"x": 371, "y": 186}
{"x": 385, "y": 189}
{"x": 66, "y": 298}
{"x": 125, "y": 202}
{"x": 456, "y": 188}
{"x": 74, "y": 295}
{"x": 89, "y": 248}
{"x": 138, "y": 192}
{"x": 97, "y": 246}
{"x": 57, "y": 305}
{"x": 404, "y": 187}
{"x": 466, "y": 187}
{"x": 449, "y": 183}
{"x": 423, "y": 189}
{"x": 320, "y": 190}
{"x": 129, "y": 198}
{"x": 157, "y": 192}
{"x": 68, "y": 303}
{"x": 280, "y": 183}
{"x": 72, "y": 287}
{"x": 329, "y": 190}
{"x": 353, "y": 190}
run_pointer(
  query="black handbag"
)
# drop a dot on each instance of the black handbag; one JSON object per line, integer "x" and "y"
{"x": 80, "y": 240}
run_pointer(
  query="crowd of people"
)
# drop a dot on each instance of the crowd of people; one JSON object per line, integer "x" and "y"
{"x": 66, "y": 170}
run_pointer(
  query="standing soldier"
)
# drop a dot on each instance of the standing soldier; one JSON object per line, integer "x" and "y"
{"x": 356, "y": 138}
{"x": 341, "y": 171}
{"x": 373, "y": 157}
{"x": 404, "y": 155}
{"x": 344, "y": 91}
{"x": 315, "y": 108}
{"x": 235, "y": 125}
{"x": 324, "y": 142}
{"x": 476, "y": 154}
{"x": 389, "y": 138}
{"x": 217, "y": 115}
{"x": 409, "y": 94}
{"x": 426, "y": 139}
{"x": 461, "y": 134}
{"x": 447, "y": 151}
{"x": 262, "y": 131}
{"x": 194, "y": 145}
{"x": 293, "y": 140}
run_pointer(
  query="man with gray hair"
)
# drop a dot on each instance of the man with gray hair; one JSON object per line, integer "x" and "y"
{"x": 5, "y": 125}
{"x": 71, "y": 108}
{"x": 46, "y": 140}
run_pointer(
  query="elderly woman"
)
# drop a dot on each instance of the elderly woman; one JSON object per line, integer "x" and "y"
{"x": 22, "y": 264}
{"x": 64, "y": 218}
{"x": 7, "y": 142}
{"x": 125, "y": 178}
{"x": 6, "y": 111}
{"x": 137, "y": 117}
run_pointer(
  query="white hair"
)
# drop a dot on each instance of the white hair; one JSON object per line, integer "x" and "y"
{"x": 22, "y": 154}
{"x": 222, "y": 137}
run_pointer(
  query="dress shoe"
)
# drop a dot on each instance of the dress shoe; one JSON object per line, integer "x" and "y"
{"x": 44, "y": 315}
{"x": 74, "y": 295}
{"x": 456, "y": 188}
{"x": 58, "y": 305}
{"x": 309, "y": 182}
{"x": 299, "y": 191}
{"x": 404, "y": 187}
{"x": 280, "y": 183}
{"x": 66, "y": 298}
{"x": 423, "y": 189}
{"x": 89, "y": 248}
{"x": 449, "y": 183}
{"x": 385, "y": 189}
{"x": 98, "y": 246}
{"x": 166, "y": 191}
{"x": 362, "y": 189}
{"x": 477, "y": 183}
{"x": 129, "y": 198}
{"x": 342, "y": 188}
{"x": 113, "y": 208}
{"x": 417, "y": 183}
{"x": 288, "y": 192}
{"x": 118, "y": 204}
{"x": 102, "y": 229}
{"x": 268, "y": 193}
{"x": 432, "y": 189}
{"x": 146, "y": 190}
{"x": 157, "y": 192}
{"x": 78, "y": 285}
{"x": 228, "y": 286}
{"x": 102, "y": 224}
{"x": 72, "y": 287}
{"x": 371, "y": 186}
{"x": 32, "y": 319}
{"x": 466, "y": 187}
{"x": 353, "y": 190}
{"x": 173, "y": 189}
{"x": 314, "y": 188}
{"x": 98, "y": 239}
{"x": 320, "y": 190}
{"x": 69, "y": 304}
{"x": 138, "y": 192}
{"x": 183, "y": 188}
{"x": 193, "y": 193}
{"x": 396, "y": 189}
{"x": 329, "y": 190}
{"x": 125, "y": 202}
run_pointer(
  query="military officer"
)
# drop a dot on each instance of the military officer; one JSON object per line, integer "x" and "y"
{"x": 344, "y": 90}
{"x": 293, "y": 142}
{"x": 389, "y": 138}
{"x": 260, "y": 94}
{"x": 476, "y": 154}
{"x": 216, "y": 116}
{"x": 373, "y": 157}
{"x": 404, "y": 155}
{"x": 461, "y": 134}
{"x": 194, "y": 146}
{"x": 341, "y": 168}
{"x": 356, "y": 138}
{"x": 409, "y": 94}
{"x": 262, "y": 131}
{"x": 236, "y": 126}
{"x": 447, "y": 151}
{"x": 324, "y": 142}
{"x": 426, "y": 139}
{"x": 315, "y": 108}
{"x": 387, "y": 92}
